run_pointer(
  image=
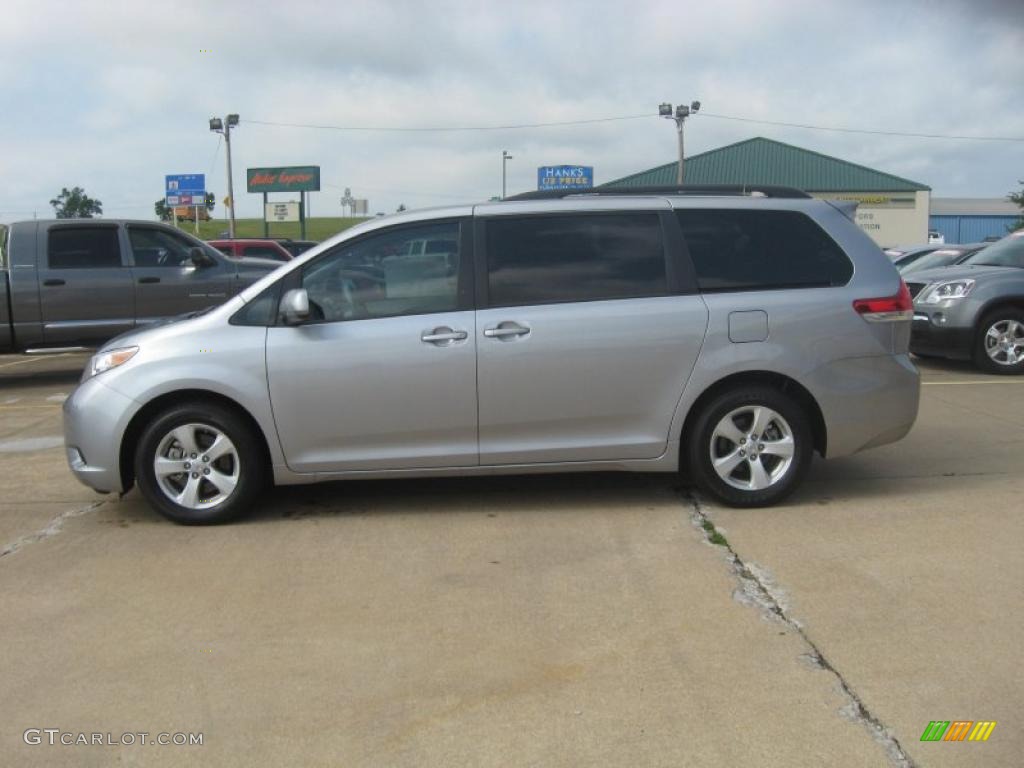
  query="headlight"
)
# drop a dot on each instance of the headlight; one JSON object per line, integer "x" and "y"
{"x": 112, "y": 358}
{"x": 946, "y": 290}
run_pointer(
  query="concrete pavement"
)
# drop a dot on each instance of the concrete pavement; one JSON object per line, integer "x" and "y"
{"x": 541, "y": 621}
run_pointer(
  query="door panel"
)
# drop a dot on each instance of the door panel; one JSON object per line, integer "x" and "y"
{"x": 372, "y": 394}
{"x": 383, "y": 376}
{"x": 590, "y": 381}
{"x": 167, "y": 283}
{"x": 85, "y": 289}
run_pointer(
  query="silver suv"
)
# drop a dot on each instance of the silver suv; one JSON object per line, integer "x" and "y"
{"x": 726, "y": 333}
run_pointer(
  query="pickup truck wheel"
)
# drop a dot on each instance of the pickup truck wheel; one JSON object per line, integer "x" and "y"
{"x": 198, "y": 464}
{"x": 750, "y": 447}
{"x": 999, "y": 343}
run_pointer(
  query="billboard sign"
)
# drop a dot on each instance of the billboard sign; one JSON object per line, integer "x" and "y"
{"x": 185, "y": 189}
{"x": 282, "y": 212}
{"x": 299, "y": 178}
{"x": 565, "y": 177}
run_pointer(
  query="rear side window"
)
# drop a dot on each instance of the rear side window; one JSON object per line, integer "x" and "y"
{"x": 735, "y": 250}
{"x": 553, "y": 259}
{"x": 83, "y": 248}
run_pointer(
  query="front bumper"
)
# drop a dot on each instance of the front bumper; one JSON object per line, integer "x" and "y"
{"x": 930, "y": 336}
{"x": 95, "y": 420}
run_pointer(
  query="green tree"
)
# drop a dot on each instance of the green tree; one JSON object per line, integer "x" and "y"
{"x": 75, "y": 204}
{"x": 1018, "y": 198}
{"x": 162, "y": 211}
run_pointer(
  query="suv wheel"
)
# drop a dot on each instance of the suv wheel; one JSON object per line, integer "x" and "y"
{"x": 750, "y": 447}
{"x": 198, "y": 464}
{"x": 999, "y": 346}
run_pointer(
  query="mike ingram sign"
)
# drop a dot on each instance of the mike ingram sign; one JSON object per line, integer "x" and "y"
{"x": 299, "y": 178}
{"x": 565, "y": 177}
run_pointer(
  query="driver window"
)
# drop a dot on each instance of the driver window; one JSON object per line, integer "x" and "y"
{"x": 157, "y": 248}
{"x": 408, "y": 271}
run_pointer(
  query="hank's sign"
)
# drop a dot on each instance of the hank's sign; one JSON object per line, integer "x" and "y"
{"x": 300, "y": 178}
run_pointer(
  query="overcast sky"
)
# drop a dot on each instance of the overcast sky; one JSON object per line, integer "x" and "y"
{"x": 112, "y": 96}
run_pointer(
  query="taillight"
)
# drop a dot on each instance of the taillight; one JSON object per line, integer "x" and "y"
{"x": 887, "y": 309}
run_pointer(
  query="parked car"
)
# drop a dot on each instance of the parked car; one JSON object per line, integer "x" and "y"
{"x": 78, "y": 282}
{"x": 934, "y": 236}
{"x": 295, "y": 247}
{"x": 726, "y": 333}
{"x": 943, "y": 257}
{"x": 974, "y": 310}
{"x": 905, "y": 254}
{"x": 252, "y": 247}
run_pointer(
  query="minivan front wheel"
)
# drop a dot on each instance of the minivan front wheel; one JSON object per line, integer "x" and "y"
{"x": 750, "y": 446}
{"x": 199, "y": 464}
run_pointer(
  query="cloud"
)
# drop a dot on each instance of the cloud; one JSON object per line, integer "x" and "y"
{"x": 112, "y": 96}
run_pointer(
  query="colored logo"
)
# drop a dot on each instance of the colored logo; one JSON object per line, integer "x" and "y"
{"x": 958, "y": 730}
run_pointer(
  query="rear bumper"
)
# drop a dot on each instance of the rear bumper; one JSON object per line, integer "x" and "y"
{"x": 930, "y": 338}
{"x": 95, "y": 419}
{"x": 866, "y": 401}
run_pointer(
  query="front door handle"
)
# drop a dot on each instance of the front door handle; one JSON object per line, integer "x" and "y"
{"x": 443, "y": 336}
{"x": 53, "y": 281}
{"x": 506, "y": 331}
{"x": 149, "y": 279}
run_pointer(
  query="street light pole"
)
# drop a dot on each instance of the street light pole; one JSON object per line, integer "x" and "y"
{"x": 224, "y": 127}
{"x": 682, "y": 112}
{"x": 505, "y": 157}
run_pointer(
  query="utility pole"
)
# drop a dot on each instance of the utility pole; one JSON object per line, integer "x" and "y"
{"x": 682, "y": 112}
{"x": 224, "y": 127}
{"x": 505, "y": 157}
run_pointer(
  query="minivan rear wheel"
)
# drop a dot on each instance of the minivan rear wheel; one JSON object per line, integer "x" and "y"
{"x": 199, "y": 464}
{"x": 750, "y": 447}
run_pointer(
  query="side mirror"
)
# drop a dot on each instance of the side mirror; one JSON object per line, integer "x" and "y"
{"x": 295, "y": 306}
{"x": 201, "y": 258}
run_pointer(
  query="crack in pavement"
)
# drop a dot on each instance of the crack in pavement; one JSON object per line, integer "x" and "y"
{"x": 52, "y": 529}
{"x": 758, "y": 590}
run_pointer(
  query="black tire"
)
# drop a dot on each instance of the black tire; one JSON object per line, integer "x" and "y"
{"x": 737, "y": 401}
{"x": 993, "y": 320}
{"x": 245, "y": 466}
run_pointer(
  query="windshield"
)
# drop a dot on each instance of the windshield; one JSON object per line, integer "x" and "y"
{"x": 1008, "y": 252}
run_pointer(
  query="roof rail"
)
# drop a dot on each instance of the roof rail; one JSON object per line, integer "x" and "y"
{"x": 712, "y": 190}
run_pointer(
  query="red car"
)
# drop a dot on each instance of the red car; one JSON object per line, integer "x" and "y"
{"x": 253, "y": 247}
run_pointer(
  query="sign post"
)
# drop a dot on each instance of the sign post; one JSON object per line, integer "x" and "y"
{"x": 185, "y": 190}
{"x": 299, "y": 178}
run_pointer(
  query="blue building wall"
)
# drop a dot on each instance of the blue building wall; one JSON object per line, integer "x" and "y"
{"x": 971, "y": 229}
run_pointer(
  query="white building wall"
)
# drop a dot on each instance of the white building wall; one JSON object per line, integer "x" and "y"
{"x": 889, "y": 218}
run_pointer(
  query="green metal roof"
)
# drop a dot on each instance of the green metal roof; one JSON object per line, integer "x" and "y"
{"x": 764, "y": 161}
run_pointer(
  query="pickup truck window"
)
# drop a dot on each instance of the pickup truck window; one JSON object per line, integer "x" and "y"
{"x": 152, "y": 247}
{"x": 83, "y": 248}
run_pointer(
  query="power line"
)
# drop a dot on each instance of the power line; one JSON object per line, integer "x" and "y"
{"x": 591, "y": 121}
{"x": 220, "y": 138}
{"x": 861, "y": 130}
{"x": 445, "y": 129}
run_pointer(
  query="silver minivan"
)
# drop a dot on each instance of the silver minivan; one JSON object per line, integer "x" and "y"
{"x": 727, "y": 333}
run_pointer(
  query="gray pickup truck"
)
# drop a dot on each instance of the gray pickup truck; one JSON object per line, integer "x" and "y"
{"x": 75, "y": 283}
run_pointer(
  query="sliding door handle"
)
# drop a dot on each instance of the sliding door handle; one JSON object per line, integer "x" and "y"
{"x": 506, "y": 331}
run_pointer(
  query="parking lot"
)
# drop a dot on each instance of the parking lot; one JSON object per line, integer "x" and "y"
{"x": 561, "y": 620}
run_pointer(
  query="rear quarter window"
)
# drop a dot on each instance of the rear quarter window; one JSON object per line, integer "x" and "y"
{"x": 740, "y": 250}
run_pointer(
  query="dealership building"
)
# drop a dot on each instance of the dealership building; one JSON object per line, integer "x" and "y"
{"x": 891, "y": 209}
{"x": 972, "y": 220}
